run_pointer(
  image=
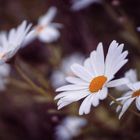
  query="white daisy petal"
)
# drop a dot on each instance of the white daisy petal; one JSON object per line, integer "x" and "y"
{"x": 81, "y": 72}
{"x": 84, "y": 105}
{"x": 138, "y": 103}
{"x": 118, "y": 82}
{"x": 95, "y": 99}
{"x": 131, "y": 75}
{"x": 77, "y": 81}
{"x": 48, "y": 17}
{"x": 71, "y": 87}
{"x": 103, "y": 93}
{"x": 125, "y": 106}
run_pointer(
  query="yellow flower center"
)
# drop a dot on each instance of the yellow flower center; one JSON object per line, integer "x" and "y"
{"x": 97, "y": 83}
{"x": 136, "y": 93}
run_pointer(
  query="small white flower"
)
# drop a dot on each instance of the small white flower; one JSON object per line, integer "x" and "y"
{"x": 80, "y": 4}
{"x": 4, "y": 73}
{"x": 131, "y": 75}
{"x": 11, "y": 42}
{"x": 58, "y": 76}
{"x": 133, "y": 93}
{"x": 94, "y": 78}
{"x": 69, "y": 128}
{"x": 45, "y": 30}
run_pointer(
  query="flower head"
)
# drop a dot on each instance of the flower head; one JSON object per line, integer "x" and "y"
{"x": 92, "y": 80}
{"x": 11, "y": 42}
{"x": 80, "y": 4}
{"x": 132, "y": 94}
{"x": 45, "y": 30}
{"x": 69, "y": 128}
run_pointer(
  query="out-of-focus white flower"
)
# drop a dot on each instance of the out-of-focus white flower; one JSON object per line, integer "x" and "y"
{"x": 92, "y": 80}
{"x": 45, "y": 30}
{"x": 131, "y": 75}
{"x": 81, "y": 4}
{"x": 4, "y": 73}
{"x": 69, "y": 128}
{"x": 58, "y": 76}
{"x": 132, "y": 95}
{"x": 11, "y": 42}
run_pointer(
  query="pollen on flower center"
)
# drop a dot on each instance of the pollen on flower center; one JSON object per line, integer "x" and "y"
{"x": 136, "y": 93}
{"x": 97, "y": 83}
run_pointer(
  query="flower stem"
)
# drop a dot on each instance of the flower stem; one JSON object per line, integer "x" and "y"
{"x": 29, "y": 81}
{"x": 118, "y": 103}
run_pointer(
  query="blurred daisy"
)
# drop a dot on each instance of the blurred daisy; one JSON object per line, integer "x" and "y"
{"x": 11, "y": 42}
{"x": 81, "y": 4}
{"x": 4, "y": 73}
{"x": 45, "y": 30}
{"x": 58, "y": 76}
{"x": 69, "y": 128}
{"x": 133, "y": 93}
{"x": 93, "y": 78}
{"x": 131, "y": 75}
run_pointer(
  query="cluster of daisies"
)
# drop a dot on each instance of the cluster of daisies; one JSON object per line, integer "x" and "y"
{"x": 92, "y": 79}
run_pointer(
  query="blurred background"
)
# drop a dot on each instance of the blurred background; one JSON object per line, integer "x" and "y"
{"x": 27, "y": 115}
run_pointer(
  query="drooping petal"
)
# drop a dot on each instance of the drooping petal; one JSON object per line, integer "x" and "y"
{"x": 125, "y": 106}
{"x": 86, "y": 103}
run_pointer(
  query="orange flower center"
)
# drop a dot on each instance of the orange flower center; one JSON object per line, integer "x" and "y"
{"x": 97, "y": 83}
{"x": 136, "y": 93}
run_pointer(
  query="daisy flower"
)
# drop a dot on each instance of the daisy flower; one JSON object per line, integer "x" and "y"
{"x": 81, "y": 4}
{"x": 69, "y": 128}
{"x": 58, "y": 76}
{"x": 132, "y": 94}
{"x": 4, "y": 73}
{"x": 11, "y": 42}
{"x": 92, "y": 80}
{"x": 45, "y": 30}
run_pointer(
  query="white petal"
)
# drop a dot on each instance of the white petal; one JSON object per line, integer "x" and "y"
{"x": 81, "y": 72}
{"x": 103, "y": 93}
{"x": 95, "y": 99}
{"x": 138, "y": 103}
{"x": 136, "y": 85}
{"x": 49, "y": 34}
{"x": 131, "y": 75}
{"x": 48, "y": 17}
{"x": 88, "y": 66}
{"x": 86, "y": 103}
{"x": 77, "y": 81}
{"x": 71, "y": 87}
{"x": 117, "y": 82}
{"x": 125, "y": 106}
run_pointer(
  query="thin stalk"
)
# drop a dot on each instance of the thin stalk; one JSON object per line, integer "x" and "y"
{"x": 29, "y": 81}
